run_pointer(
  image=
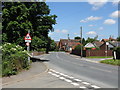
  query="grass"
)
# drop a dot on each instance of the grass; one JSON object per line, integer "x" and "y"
{"x": 99, "y": 57}
{"x": 112, "y": 62}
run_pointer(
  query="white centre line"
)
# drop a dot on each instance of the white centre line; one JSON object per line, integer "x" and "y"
{"x": 78, "y": 80}
{"x": 62, "y": 78}
{"x": 82, "y": 87}
{"x": 67, "y": 80}
{"x": 75, "y": 84}
{"x": 86, "y": 83}
{"x": 94, "y": 86}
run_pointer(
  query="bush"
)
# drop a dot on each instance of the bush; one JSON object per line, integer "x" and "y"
{"x": 14, "y": 59}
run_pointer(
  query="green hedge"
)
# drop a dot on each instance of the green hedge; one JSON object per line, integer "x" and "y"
{"x": 14, "y": 59}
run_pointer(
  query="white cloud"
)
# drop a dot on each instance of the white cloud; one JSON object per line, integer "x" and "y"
{"x": 64, "y": 31}
{"x": 97, "y": 3}
{"x": 101, "y": 28}
{"x": 75, "y": 33}
{"x": 115, "y": 2}
{"x": 57, "y": 31}
{"x": 83, "y": 21}
{"x": 50, "y": 34}
{"x": 91, "y": 18}
{"x": 109, "y": 21}
{"x": 91, "y": 25}
{"x": 91, "y": 33}
{"x": 115, "y": 14}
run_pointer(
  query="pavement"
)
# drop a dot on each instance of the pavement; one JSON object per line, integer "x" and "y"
{"x": 26, "y": 74}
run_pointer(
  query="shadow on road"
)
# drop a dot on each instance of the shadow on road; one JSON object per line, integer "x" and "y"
{"x": 38, "y": 60}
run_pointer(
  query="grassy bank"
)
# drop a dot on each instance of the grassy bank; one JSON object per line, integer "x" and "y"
{"x": 111, "y": 61}
{"x": 99, "y": 57}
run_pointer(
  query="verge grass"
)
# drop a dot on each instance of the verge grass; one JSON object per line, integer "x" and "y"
{"x": 111, "y": 61}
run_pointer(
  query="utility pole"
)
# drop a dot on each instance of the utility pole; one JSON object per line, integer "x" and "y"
{"x": 81, "y": 40}
{"x": 28, "y": 48}
{"x": 68, "y": 43}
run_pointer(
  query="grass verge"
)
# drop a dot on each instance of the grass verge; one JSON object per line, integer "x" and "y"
{"x": 99, "y": 57}
{"x": 112, "y": 62}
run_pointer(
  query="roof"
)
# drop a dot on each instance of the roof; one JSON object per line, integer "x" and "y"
{"x": 97, "y": 43}
{"x": 89, "y": 45}
{"x": 105, "y": 40}
{"x": 70, "y": 42}
{"x": 116, "y": 43}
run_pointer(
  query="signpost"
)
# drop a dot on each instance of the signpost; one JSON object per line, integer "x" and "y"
{"x": 28, "y": 41}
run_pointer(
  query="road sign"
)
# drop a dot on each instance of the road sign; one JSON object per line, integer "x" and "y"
{"x": 27, "y": 40}
{"x": 27, "y": 44}
{"x": 27, "y": 37}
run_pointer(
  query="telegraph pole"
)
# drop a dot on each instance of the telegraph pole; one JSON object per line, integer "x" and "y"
{"x": 28, "y": 48}
{"x": 81, "y": 40}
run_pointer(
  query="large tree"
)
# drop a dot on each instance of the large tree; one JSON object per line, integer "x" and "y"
{"x": 19, "y": 17}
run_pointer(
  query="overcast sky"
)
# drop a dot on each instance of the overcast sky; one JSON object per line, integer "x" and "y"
{"x": 96, "y": 18}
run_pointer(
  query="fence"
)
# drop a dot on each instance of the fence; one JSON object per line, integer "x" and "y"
{"x": 87, "y": 53}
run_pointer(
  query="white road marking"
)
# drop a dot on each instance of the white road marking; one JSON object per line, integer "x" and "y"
{"x": 86, "y": 83}
{"x": 62, "y": 78}
{"x": 78, "y": 80}
{"x": 49, "y": 72}
{"x": 94, "y": 86}
{"x": 52, "y": 70}
{"x": 70, "y": 77}
{"x": 62, "y": 74}
{"x": 67, "y": 80}
{"x": 82, "y": 87}
{"x": 57, "y": 74}
{"x": 75, "y": 84}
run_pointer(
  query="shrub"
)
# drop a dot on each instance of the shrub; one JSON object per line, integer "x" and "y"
{"x": 14, "y": 59}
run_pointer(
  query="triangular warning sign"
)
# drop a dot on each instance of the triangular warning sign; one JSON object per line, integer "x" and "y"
{"x": 27, "y": 37}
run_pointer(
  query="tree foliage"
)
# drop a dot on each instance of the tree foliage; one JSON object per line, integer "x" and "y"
{"x": 118, "y": 38}
{"x": 19, "y": 17}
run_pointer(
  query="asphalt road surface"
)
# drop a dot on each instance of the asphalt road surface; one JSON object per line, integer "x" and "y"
{"x": 70, "y": 71}
{"x": 103, "y": 75}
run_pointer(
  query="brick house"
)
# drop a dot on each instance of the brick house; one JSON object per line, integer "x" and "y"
{"x": 68, "y": 44}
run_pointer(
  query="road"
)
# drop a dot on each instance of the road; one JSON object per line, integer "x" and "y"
{"x": 70, "y": 71}
{"x": 103, "y": 75}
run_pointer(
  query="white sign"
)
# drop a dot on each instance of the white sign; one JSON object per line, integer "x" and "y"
{"x": 107, "y": 43}
{"x": 27, "y": 40}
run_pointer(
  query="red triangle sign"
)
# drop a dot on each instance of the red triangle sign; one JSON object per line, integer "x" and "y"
{"x": 28, "y": 37}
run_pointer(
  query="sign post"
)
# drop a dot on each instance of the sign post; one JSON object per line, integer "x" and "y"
{"x": 28, "y": 40}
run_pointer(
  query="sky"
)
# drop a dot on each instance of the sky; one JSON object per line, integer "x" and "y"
{"x": 95, "y": 18}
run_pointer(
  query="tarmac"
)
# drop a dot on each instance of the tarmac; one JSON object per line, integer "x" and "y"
{"x": 37, "y": 68}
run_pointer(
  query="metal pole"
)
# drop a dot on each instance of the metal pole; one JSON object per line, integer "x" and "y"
{"x": 28, "y": 48}
{"x": 106, "y": 50}
{"x": 81, "y": 40}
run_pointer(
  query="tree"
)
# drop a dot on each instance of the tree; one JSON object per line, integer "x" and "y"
{"x": 15, "y": 21}
{"x": 19, "y": 17}
{"x": 77, "y": 37}
{"x": 118, "y": 38}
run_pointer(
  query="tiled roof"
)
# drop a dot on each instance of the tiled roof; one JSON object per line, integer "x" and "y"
{"x": 97, "y": 43}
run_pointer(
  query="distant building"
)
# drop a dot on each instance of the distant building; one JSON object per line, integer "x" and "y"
{"x": 68, "y": 44}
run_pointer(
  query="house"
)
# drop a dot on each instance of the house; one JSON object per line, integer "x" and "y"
{"x": 115, "y": 43}
{"x": 107, "y": 40}
{"x": 98, "y": 48}
{"x": 68, "y": 44}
